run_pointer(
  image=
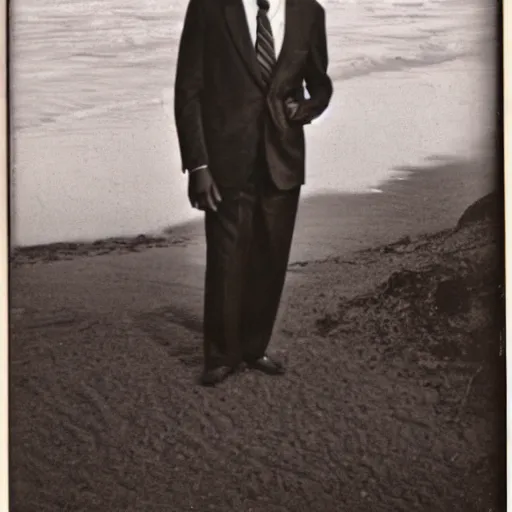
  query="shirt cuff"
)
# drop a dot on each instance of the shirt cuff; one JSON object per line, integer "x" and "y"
{"x": 197, "y": 168}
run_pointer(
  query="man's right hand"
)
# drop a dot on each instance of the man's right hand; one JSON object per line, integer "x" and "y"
{"x": 202, "y": 191}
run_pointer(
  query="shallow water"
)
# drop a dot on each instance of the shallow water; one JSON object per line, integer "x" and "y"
{"x": 92, "y": 94}
{"x": 73, "y": 59}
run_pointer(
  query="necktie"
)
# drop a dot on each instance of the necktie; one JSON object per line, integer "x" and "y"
{"x": 265, "y": 51}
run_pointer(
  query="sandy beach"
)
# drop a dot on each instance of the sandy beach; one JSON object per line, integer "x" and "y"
{"x": 393, "y": 400}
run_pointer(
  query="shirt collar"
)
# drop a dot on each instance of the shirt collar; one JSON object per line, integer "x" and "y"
{"x": 274, "y": 6}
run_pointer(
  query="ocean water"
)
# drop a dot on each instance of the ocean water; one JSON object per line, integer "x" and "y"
{"x": 91, "y": 100}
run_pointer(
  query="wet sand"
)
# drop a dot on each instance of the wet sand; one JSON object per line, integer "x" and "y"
{"x": 393, "y": 400}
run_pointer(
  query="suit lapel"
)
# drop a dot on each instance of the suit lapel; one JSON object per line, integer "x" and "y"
{"x": 237, "y": 22}
{"x": 292, "y": 32}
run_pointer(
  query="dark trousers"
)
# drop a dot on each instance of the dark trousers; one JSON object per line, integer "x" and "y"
{"x": 248, "y": 244}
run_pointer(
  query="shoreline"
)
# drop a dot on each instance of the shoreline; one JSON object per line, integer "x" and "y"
{"x": 352, "y": 209}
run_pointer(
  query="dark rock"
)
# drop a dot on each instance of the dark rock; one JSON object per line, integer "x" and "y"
{"x": 486, "y": 208}
{"x": 452, "y": 296}
{"x": 411, "y": 280}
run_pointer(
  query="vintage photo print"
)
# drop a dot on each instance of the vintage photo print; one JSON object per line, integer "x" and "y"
{"x": 256, "y": 256}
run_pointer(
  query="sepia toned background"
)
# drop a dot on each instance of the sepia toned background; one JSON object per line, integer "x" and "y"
{"x": 391, "y": 323}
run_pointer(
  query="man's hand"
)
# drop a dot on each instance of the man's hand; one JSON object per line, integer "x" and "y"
{"x": 202, "y": 191}
{"x": 291, "y": 107}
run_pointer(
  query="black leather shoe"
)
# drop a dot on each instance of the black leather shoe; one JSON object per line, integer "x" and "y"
{"x": 215, "y": 375}
{"x": 266, "y": 365}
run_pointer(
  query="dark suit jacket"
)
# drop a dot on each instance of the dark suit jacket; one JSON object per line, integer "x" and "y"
{"x": 224, "y": 114}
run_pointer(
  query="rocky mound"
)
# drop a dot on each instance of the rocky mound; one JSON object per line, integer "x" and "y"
{"x": 441, "y": 316}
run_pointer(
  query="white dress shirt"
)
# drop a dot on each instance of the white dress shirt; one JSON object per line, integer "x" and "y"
{"x": 276, "y": 15}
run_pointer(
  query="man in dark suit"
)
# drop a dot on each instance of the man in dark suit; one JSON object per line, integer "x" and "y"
{"x": 240, "y": 108}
